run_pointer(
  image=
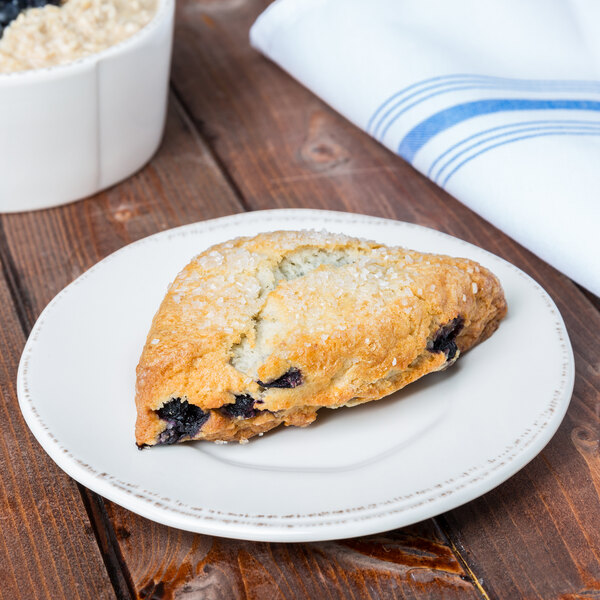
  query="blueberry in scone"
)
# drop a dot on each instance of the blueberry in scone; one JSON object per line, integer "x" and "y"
{"x": 291, "y": 379}
{"x": 265, "y": 330}
{"x": 242, "y": 408}
{"x": 182, "y": 419}
{"x": 444, "y": 339}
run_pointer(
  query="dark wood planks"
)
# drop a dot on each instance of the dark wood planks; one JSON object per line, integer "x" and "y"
{"x": 536, "y": 535}
{"x": 415, "y": 562}
{"x": 47, "y": 546}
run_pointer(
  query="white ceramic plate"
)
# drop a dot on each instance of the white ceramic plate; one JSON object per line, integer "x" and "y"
{"x": 438, "y": 443}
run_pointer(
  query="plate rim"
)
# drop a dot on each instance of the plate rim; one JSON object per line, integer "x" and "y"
{"x": 342, "y": 523}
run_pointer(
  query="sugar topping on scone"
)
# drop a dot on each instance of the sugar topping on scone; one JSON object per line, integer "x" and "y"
{"x": 256, "y": 332}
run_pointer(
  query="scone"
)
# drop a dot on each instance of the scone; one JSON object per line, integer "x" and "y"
{"x": 266, "y": 330}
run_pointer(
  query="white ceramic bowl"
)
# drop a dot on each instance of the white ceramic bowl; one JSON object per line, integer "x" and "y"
{"x": 69, "y": 131}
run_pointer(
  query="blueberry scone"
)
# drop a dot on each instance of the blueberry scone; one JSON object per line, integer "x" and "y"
{"x": 265, "y": 330}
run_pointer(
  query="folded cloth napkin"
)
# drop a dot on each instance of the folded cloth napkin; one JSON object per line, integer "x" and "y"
{"x": 498, "y": 102}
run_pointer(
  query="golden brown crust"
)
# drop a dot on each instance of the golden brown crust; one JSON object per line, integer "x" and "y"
{"x": 353, "y": 320}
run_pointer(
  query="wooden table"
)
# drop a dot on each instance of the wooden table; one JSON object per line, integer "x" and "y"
{"x": 242, "y": 135}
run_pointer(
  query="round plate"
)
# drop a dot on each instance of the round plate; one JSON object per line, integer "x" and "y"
{"x": 439, "y": 443}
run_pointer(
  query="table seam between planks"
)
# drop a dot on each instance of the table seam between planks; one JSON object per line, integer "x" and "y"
{"x": 446, "y": 532}
{"x": 106, "y": 539}
{"x": 109, "y": 553}
{"x": 206, "y": 142}
{"x": 592, "y": 298}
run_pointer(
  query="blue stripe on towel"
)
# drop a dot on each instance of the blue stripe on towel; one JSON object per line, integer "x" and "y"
{"x": 417, "y": 137}
{"x": 450, "y": 82}
{"x": 500, "y": 128}
{"x": 509, "y": 130}
{"x": 402, "y": 91}
{"x": 525, "y": 137}
{"x": 393, "y": 113}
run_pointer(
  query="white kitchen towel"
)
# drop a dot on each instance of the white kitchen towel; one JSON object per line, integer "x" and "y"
{"x": 496, "y": 101}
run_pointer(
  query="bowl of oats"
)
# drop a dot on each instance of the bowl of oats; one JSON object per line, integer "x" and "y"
{"x": 83, "y": 95}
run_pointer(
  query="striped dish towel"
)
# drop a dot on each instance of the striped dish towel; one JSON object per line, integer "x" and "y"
{"x": 497, "y": 102}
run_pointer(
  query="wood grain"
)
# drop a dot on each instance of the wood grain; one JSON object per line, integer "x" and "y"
{"x": 414, "y": 562}
{"x": 47, "y": 546}
{"x": 535, "y": 536}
